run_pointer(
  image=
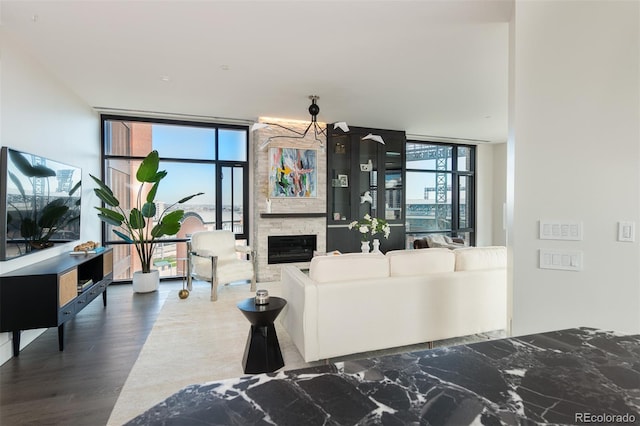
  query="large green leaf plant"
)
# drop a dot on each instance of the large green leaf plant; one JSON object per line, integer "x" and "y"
{"x": 135, "y": 225}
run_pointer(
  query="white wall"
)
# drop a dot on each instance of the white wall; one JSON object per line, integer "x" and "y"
{"x": 484, "y": 195}
{"x": 498, "y": 219}
{"x": 576, "y": 154}
{"x": 40, "y": 116}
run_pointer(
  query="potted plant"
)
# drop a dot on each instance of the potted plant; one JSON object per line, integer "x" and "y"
{"x": 136, "y": 226}
{"x": 368, "y": 227}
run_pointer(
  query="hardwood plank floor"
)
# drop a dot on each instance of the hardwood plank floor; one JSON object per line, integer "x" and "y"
{"x": 80, "y": 385}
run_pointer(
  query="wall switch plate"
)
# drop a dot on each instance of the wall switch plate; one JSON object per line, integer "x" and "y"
{"x": 626, "y": 231}
{"x": 554, "y": 230}
{"x": 566, "y": 260}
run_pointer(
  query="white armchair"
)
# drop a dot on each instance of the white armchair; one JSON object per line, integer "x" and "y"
{"x": 213, "y": 257}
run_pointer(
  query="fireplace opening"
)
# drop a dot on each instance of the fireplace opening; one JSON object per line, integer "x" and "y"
{"x": 290, "y": 248}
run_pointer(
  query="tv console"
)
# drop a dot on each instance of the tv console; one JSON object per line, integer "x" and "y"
{"x": 46, "y": 293}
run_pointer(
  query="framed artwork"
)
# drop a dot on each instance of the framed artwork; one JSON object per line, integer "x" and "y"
{"x": 343, "y": 180}
{"x": 293, "y": 173}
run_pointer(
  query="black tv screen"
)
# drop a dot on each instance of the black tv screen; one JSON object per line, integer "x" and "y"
{"x": 40, "y": 203}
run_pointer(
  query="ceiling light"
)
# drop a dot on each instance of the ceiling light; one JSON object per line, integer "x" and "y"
{"x": 318, "y": 131}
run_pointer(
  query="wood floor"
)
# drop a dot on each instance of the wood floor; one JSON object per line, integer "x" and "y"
{"x": 80, "y": 385}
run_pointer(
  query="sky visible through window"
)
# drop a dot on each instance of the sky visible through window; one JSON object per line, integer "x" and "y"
{"x": 194, "y": 143}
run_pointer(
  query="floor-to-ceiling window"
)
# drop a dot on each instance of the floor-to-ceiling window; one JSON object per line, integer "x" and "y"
{"x": 440, "y": 190}
{"x": 198, "y": 157}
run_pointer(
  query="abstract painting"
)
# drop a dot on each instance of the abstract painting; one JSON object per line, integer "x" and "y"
{"x": 292, "y": 172}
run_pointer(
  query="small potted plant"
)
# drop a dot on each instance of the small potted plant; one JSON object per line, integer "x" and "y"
{"x": 368, "y": 227}
{"x": 136, "y": 226}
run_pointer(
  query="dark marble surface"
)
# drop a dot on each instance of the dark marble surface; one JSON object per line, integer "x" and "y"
{"x": 562, "y": 377}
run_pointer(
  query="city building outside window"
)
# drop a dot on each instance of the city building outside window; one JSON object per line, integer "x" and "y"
{"x": 440, "y": 191}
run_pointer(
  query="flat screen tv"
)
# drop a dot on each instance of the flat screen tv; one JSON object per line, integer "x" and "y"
{"x": 39, "y": 203}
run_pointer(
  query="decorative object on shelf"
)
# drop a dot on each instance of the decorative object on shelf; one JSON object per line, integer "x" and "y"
{"x": 366, "y": 167}
{"x": 366, "y": 197}
{"x": 343, "y": 181}
{"x": 373, "y": 137}
{"x": 376, "y": 246}
{"x": 293, "y": 173}
{"x": 143, "y": 225}
{"x": 319, "y": 133}
{"x": 364, "y": 246}
{"x": 370, "y": 226}
{"x": 268, "y": 205}
{"x": 262, "y": 297}
{"x": 88, "y": 247}
{"x": 340, "y": 148}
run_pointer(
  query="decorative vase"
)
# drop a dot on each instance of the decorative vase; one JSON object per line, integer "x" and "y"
{"x": 146, "y": 282}
{"x": 365, "y": 247}
{"x": 376, "y": 246}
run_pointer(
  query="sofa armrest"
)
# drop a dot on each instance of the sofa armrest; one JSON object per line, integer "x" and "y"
{"x": 300, "y": 315}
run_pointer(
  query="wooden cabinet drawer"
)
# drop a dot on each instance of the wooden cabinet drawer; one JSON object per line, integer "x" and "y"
{"x": 66, "y": 312}
{"x": 93, "y": 292}
{"x": 107, "y": 263}
{"x": 67, "y": 287}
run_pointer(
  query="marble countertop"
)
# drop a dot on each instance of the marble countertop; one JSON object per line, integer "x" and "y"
{"x": 574, "y": 376}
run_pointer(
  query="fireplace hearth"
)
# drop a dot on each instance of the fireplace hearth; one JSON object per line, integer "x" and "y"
{"x": 291, "y": 248}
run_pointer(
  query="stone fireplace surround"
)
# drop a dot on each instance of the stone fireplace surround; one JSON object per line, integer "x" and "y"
{"x": 288, "y": 216}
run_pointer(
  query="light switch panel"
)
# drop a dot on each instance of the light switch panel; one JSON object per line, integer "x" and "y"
{"x": 568, "y": 260}
{"x": 554, "y": 230}
{"x": 626, "y": 231}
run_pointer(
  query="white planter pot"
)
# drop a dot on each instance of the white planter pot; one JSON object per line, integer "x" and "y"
{"x": 146, "y": 283}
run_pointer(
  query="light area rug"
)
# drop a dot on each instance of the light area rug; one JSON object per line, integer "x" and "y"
{"x": 197, "y": 341}
{"x": 194, "y": 341}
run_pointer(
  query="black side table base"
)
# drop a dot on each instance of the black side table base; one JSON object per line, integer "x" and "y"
{"x": 262, "y": 353}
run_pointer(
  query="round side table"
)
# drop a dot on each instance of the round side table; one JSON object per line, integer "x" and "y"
{"x": 262, "y": 353}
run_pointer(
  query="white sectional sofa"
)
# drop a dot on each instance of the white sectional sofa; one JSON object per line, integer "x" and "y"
{"x": 356, "y": 302}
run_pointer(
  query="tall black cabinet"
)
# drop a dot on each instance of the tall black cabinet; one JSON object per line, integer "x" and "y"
{"x": 365, "y": 176}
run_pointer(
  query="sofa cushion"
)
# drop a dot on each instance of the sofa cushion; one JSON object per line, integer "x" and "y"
{"x": 350, "y": 266}
{"x": 403, "y": 263}
{"x": 479, "y": 258}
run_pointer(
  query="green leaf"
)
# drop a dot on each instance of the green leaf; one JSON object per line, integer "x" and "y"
{"x": 109, "y": 220}
{"x": 173, "y": 217}
{"x": 112, "y": 214}
{"x": 136, "y": 219}
{"x": 123, "y": 236}
{"x": 160, "y": 175}
{"x": 106, "y": 197}
{"x": 148, "y": 169}
{"x": 152, "y": 193}
{"x": 148, "y": 209}
{"x": 185, "y": 199}
{"x": 163, "y": 228}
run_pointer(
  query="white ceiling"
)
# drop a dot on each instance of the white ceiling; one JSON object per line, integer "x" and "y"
{"x": 432, "y": 68}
